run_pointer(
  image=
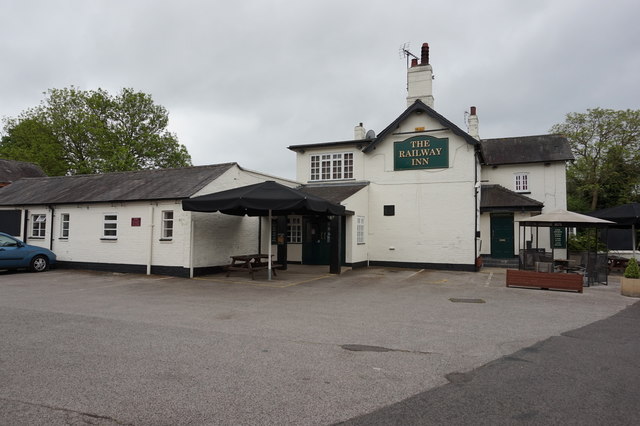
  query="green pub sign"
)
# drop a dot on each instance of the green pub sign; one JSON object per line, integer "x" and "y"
{"x": 421, "y": 152}
{"x": 558, "y": 237}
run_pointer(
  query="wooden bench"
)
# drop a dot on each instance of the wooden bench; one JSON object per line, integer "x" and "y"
{"x": 250, "y": 263}
{"x": 545, "y": 280}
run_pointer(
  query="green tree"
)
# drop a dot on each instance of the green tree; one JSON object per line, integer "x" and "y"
{"x": 606, "y": 145}
{"x": 82, "y": 132}
{"x": 32, "y": 141}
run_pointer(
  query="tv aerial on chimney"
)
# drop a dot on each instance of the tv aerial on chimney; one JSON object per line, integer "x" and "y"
{"x": 405, "y": 53}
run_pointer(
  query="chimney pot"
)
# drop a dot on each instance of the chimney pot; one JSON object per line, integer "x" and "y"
{"x": 473, "y": 110}
{"x": 424, "y": 57}
{"x": 414, "y": 62}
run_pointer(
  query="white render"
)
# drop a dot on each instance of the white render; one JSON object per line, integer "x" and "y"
{"x": 435, "y": 208}
{"x": 215, "y": 236}
{"x": 547, "y": 184}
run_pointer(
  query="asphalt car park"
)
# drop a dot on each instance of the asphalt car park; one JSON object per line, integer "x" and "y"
{"x": 305, "y": 348}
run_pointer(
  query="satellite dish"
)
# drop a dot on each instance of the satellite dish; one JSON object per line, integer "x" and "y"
{"x": 370, "y": 134}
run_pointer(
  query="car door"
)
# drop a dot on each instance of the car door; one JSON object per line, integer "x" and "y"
{"x": 11, "y": 252}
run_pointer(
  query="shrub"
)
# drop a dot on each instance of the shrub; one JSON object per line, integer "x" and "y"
{"x": 632, "y": 270}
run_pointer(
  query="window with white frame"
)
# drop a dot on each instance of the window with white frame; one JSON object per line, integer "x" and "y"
{"x": 332, "y": 166}
{"x": 110, "y": 226}
{"x": 167, "y": 224}
{"x": 521, "y": 182}
{"x": 360, "y": 230}
{"x": 64, "y": 225}
{"x": 38, "y": 225}
{"x": 294, "y": 230}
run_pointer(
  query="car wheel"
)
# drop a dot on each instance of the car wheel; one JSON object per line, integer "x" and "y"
{"x": 39, "y": 263}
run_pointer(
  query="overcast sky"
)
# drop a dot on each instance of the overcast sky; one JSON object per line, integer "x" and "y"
{"x": 242, "y": 80}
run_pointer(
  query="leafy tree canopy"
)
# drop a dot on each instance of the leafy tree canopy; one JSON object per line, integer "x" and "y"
{"x": 606, "y": 145}
{"x": 75, "y": 131}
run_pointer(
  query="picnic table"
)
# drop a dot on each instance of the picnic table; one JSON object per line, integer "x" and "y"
{"x": 250, "y": 263}
{"x": 617, "y": 262}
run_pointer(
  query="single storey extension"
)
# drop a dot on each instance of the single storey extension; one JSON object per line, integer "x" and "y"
{"x": 133, "y": 221}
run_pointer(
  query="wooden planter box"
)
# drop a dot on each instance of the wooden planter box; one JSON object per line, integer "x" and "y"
{"x": 559, "y": 281}
{"x": 630, "y": 287}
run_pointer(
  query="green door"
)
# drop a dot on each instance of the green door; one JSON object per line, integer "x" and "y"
{"x": 502, "y": 236}
{"x": 316, "y": 241}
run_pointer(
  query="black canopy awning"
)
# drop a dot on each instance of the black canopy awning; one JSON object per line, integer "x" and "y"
{"x": 261, "y": 199}
{"x": 626, "y": 214}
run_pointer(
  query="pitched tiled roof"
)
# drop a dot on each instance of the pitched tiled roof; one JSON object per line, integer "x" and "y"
{"x": 336, "y": 192}
{"x": 160, "y": 184}
{"x": 11, "y": 171}
{"x": 367, "y": 145}
{"x": 420, "y": 107}
{"x": 526, "y": 149}
{"x": 497, "y": 197}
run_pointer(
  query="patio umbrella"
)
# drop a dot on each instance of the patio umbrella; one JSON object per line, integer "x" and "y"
{"x": 626, "y": 214}
{"x": 562, "y": 217}
{"x": 263, "y": 199}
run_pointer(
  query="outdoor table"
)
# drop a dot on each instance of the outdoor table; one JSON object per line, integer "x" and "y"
{"x": 617, "y": 262}
{"x": 561, "y": 264}
{"x": 249, "y": 262}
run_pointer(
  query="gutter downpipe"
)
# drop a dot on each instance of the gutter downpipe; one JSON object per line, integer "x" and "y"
{"x": 25, "y": 227}
{"x": 476, "y": 189}
{"x": 53, "y": 212}
{"x": 149, "y": 260}
{"x": 191, "y": 243}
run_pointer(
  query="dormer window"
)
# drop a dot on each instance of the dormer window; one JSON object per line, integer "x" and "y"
{"x": 334, "y": 166}
{"x": 521, "y": 182}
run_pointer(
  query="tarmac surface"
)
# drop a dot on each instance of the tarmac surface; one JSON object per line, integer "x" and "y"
{"x": 588, "y": 376}
{"x": 371, "y": 346}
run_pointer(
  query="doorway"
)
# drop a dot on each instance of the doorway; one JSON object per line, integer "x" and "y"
{"x": 502, "y": 239}
{"x": 316, "y": 240}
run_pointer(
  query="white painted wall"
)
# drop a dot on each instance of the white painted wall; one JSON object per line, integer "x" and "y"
{"x": 359, "y": 204}
{"x": 547, "y": 184}
{"x": 216, "y": 236}
{"x": 435, "y": 208}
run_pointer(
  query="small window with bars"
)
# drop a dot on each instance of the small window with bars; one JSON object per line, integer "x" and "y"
{"x": 167, "y": 225}
{"x": 360, "y": 230}
{"x": 110, "y": 226}
{"x": 521, "y": 182}
{"x": 38, "y": 225}
{"x": 64, "y": 226}
{"x": 294, "y": 230}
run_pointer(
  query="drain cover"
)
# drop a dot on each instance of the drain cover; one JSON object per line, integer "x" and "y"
{"x": 457, "y": 300}
{"x": 365, "y": 348}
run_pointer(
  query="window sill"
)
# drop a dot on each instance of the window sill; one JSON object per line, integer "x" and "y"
{"x": 109, "y": 239}
{"x": 332, "y": 180}
{"x": 166, "y": 240}
{"x": 37, "y": 238}
{"x": 522, "y": 192}
{"x": 64, "y": 238}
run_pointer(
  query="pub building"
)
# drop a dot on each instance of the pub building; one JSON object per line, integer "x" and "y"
{"x": 425, "y": 193}
{"x": 422, "y": 193}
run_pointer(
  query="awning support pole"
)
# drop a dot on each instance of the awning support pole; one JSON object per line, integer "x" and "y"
{"x": 269, "y": 258}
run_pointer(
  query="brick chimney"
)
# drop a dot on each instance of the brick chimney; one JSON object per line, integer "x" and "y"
{"x": 473, "y": 123}
{"x": 420, "y": 79}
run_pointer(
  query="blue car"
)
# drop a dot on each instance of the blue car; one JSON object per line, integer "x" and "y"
{"x": 14, "y": 254}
